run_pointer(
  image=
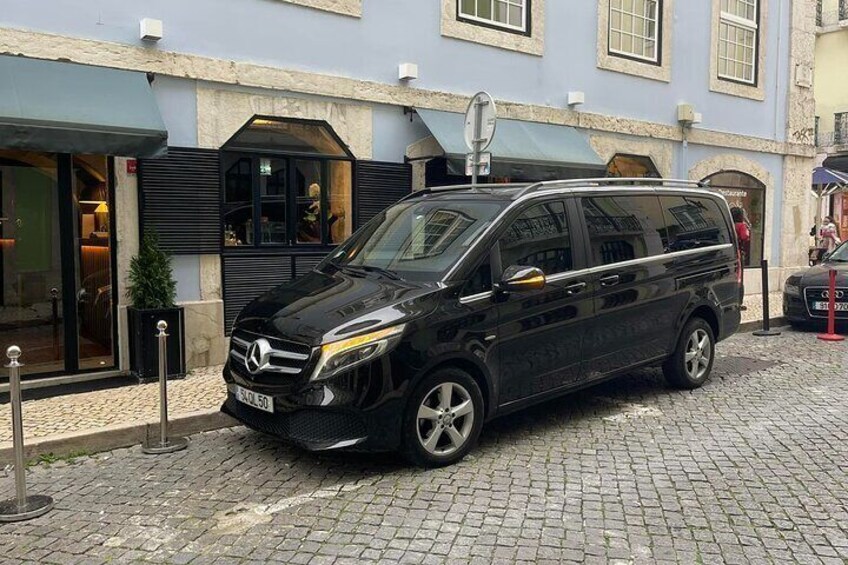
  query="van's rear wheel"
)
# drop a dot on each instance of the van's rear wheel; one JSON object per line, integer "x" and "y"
{"x": 692, "y": 361}
{"x": 443, "y": 418}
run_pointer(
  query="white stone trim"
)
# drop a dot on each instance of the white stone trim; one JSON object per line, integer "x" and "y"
{"x": 351, "y": 8}
{"x": 730, "y": 162}
{"x": 503, "y": 38}
{"x": 660, "y": 152}
{"x": 107, "y": 54}
{"x": 221, "y": 113}
{"x": 725, "y": 86}
{"x": 622, "y": 64}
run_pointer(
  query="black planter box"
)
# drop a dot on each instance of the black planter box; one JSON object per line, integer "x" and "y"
{"x": 144, "y": 345}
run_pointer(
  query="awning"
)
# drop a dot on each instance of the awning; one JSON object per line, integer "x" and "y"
{"x": 823, "y": 175}
{"x": 70, "y": 108}
{"x": 526, "y": 150}
{"x": 828, "y": 181}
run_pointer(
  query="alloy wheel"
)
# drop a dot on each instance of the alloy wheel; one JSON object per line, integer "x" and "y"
{"x": 445, "y": 419}
{"x": 698, "y": 353}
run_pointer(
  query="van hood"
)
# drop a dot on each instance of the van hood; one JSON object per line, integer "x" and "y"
{"x": 322, "y": 307}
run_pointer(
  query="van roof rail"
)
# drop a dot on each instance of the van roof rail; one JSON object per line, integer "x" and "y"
{"x": 456, "y": 187}
{"x": 599, "y": 182}
{"x": 613, "y": 182}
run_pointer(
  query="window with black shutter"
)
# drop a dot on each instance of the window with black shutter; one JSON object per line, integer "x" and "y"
{"x": 179, "y": 198}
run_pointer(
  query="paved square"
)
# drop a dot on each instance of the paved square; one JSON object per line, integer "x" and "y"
{"x": 752, "y": 468}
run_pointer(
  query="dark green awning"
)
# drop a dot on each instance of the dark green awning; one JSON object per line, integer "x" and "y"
{"x": 520, "y": 149}
{"x": 70, "y": 108}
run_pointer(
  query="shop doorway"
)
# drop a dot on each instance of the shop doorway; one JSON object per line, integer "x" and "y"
{"x": 57, "y": 261}
{"x": 747, "y": 199}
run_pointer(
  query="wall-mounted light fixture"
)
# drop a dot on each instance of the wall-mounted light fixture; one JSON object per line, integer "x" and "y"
{"x": 576, "y": 98}
{"x": 687, "y": 116}
{"x": 150, "y": 29}
{"x": 407, "y": 71}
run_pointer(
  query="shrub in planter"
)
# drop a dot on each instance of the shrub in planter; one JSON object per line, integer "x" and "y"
{"x": 152, "y": 290}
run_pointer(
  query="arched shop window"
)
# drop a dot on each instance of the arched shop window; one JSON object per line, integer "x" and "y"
{"x": 748, "y": 195}
{"x": 286, "y": 182}
{"x": 632, "y": 166}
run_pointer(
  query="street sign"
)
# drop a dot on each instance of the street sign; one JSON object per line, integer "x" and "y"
{"x": 480, "y": 120}
{"x": 484, "y": 164}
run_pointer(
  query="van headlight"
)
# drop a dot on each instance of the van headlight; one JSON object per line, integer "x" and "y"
{"x": 349, "y": 353}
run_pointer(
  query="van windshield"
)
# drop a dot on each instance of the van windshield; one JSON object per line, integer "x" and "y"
{"x": 840, "y": 254}
{"x": 418, "y": 240}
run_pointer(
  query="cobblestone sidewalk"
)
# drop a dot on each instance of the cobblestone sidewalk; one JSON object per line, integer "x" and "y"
{"x": 751, "y": 468}
{"x": 202, "y": 389}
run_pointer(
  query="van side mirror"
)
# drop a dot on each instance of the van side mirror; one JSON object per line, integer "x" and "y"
{"x": 518, "y": 278}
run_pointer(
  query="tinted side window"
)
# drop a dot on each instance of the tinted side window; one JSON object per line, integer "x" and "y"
{"x": 694, "y": 222}
{"x": 622, "y": 228}
{"x": 539, "y": 237}
{"x": 480, "y": 280}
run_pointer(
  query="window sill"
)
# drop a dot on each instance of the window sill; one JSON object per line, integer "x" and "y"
{"x": 493, "y": 36}
{"x": 352, "y": 8}
{"x": 734, "y": 88}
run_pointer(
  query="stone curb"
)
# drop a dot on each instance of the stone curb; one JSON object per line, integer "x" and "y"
{"x": 117, "y": 435}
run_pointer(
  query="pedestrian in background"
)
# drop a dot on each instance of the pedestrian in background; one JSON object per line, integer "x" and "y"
{"x": 743, "y": 233}
{"x": 829, "y": 235}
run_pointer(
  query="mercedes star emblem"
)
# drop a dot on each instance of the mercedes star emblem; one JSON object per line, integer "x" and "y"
{"x": 256, "y": 357}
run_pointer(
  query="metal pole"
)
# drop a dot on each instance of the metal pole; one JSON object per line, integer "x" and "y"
{"x": 14, "y": 353}
{"x": 766, "y": 331}
{"x": 831, "y": 334}
{"x": 22, "y": 507}
{"x": 164, "y": 445}
{"x": 163, "y": 377}
{"x": 475, "y": 159}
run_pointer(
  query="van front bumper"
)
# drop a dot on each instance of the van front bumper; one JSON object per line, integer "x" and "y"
{"x": 335, "y": 414}
{"x": 315, "y": 430}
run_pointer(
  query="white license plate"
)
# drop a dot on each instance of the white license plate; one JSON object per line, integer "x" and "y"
{"x": 251, "y": 398}
{"x": 840, "y": 306}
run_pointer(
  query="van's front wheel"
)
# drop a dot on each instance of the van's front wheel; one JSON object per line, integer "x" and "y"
{"x": 692, "y": 361}
{"x": 443, "y": 418}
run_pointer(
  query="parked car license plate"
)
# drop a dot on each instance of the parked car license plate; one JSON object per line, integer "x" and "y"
{"x": 840, "y": 306}
{"x": 255, "y": 399}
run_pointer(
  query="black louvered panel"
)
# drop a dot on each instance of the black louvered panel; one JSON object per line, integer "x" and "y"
{"x": 248, "y": 276}
{"x": 180, "y": 198}
{"x": 379, "y": 185}
{"x": 305, "y": 263}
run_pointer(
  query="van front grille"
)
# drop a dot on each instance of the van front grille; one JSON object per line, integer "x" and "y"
{"x": 280, "y": 357}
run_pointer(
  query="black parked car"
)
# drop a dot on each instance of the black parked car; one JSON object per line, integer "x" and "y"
{"x": 460, "y": 304}
{"x": 806, "y": 294}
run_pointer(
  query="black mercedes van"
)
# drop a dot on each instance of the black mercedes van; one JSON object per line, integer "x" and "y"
{"x": 460, "y": 304}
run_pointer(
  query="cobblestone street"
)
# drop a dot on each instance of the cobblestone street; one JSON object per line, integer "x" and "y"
{"x": 752, "y": 468}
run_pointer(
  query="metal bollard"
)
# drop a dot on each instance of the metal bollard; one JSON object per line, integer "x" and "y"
{"x": 831, "y": 334}
{"x": 22, "y": 507}
{"x": 766, "y": 331}
{"x": 164, "y": 445}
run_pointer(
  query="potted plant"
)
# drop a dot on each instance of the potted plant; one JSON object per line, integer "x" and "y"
{"x": 152, "y": 290}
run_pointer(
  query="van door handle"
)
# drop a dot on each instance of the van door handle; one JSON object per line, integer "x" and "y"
{"x": 574, "y": 288}
{"x": 609, "y": 280}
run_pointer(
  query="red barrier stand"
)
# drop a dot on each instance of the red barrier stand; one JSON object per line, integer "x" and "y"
{"x": 831, "y": 334}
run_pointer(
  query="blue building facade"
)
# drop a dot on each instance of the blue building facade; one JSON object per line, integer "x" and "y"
{"x": 290, "y": 122}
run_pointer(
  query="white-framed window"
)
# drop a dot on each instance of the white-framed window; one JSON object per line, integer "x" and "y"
{"x": 634, "y": 29}
{"x": 507, "y": 14}
{"x": 737, "y": 40}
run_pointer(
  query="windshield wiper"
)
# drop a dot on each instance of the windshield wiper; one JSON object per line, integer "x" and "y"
{"x": 372, "y": 269}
